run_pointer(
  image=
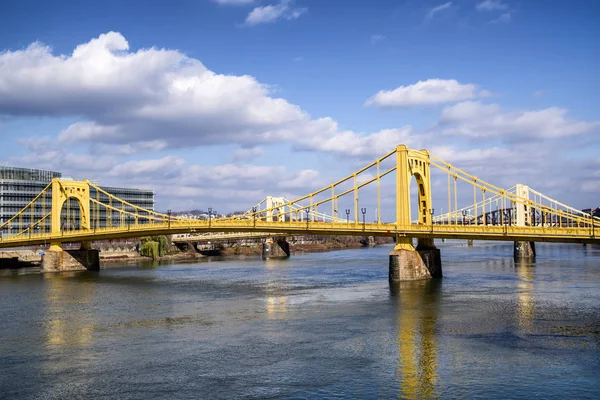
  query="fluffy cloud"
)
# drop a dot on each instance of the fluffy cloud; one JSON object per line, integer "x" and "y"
{"x": 477, "y": 120}
{"x": 273, "y": 12}
{"x": 167, "y": 167}
{"x": 247, "y": 153}
{"x": 431, "y": 91}
{"x": 156, "y": 99}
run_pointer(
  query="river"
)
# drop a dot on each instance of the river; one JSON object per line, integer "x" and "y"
{"x": 322, "y": 325}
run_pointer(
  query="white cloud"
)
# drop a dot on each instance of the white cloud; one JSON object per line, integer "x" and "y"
{"x": 271, "y": 13}
{"x": 376, "y": 38}
{"x": 307, "y": 178}
{"x": 431, "y": 91}
{"x": 156, "y": 99}
{"x": 477, "y": 120}
{"x": 437, "y": 9}
{"x": 504, "y": 18}
{"x": 247, "y": 153}
{"x": 166, "y": 167}
{"x": 491, "y": 5}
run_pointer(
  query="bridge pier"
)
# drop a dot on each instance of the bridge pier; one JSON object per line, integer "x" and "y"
{"x": 57, "y": 260}
{"x": 409, "y": 264}
{"x": 71, "y": 260}
{"x": 523, "y": 249}
{"x": 275, "y": 248}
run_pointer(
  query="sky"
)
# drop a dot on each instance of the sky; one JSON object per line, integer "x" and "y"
{"x": 218, "y": 103}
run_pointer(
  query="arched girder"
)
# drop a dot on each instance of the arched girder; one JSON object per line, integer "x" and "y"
{"x": 62, "y": 191}
{"x": 411, "y": 163}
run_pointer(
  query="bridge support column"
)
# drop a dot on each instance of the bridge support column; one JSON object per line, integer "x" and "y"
{"x": 524, "y": 250}
{"x": 275, "y": 248}
{"x": 410, "y": 264}
{"x": 71, "y": 260}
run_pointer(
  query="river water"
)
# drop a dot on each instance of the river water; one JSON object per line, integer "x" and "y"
{"x": 325, "y": 325}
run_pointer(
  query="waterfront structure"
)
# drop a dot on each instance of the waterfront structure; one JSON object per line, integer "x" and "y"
{"x": 20, "y": 186}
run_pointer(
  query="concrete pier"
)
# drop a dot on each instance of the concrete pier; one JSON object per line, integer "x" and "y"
{"x": 524, "y": 250}
{"x": 275, "y": 248}
{"x": 409, "y": 264}
{"x": 71, "y": 260}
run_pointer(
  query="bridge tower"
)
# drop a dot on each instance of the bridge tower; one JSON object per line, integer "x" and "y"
{"x": 523, "y": 249}
{"x": 276, "y": 203}
{"x": 406, "y": 262}
{"x": 55, "y": 258}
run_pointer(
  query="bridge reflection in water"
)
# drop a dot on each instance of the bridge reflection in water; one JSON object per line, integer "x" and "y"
{"x": 276, "y": 304}
{"x": 417, "y": 314}
{"x": 61, "y": 328}
{"x": 525, "y": 301}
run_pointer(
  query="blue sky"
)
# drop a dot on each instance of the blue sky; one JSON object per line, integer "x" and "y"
{"x": 300, "y": 89}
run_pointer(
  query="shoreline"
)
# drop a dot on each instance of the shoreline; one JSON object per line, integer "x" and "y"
{"x": 113, "y": 255}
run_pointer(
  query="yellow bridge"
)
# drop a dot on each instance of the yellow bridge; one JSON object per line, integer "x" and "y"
{"x": 475, "y": 209}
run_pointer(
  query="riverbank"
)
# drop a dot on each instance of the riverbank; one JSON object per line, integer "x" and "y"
{"x": 125, "y": 252}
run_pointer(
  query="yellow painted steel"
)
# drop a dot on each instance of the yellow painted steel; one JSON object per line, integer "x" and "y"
{"x": 555, "y": 224}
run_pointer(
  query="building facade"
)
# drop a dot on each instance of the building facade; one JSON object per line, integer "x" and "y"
{"x": 19, "y": 186}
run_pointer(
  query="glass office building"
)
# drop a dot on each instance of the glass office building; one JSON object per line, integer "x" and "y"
{"x": 19, "y": 186}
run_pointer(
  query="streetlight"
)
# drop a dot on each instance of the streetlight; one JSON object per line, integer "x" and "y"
{"x": 254, "y": 215}
{"x": 347, "y": 215}
{"x": 209, "y": 216}
{"x": 431, "y": 212}
{"x": 464, "y": 213}
{"x": 593, "y": 228}
{"x": 363, "y": 211}
{"x": 307, "y": 217}
{"x": 169, "y": 214}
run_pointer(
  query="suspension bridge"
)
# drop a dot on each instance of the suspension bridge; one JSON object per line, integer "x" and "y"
{"x": 69, "y": 211}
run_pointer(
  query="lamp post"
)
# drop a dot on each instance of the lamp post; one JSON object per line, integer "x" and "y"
{"x": 464, "y": 213}
{"x": 593, "y": 228}
{"x": 254, "y": 215}
{"x": 363, "y": 211}
{"x": 307, "y": 217}
{"x": 169, "y": 220}
{"x": 431, "y": 212}
{"x": 209, "y": 216}
{"x": 347, "y": 215}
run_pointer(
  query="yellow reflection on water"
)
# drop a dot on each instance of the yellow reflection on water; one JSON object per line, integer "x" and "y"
{"x": 417, "y": 342}
{"x": 277, "y": 306}
{"x": 525, "y": 300}
{"x": 67, "y": 310}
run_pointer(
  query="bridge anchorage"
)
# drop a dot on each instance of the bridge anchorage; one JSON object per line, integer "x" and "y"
{"x": 373, "y": 201}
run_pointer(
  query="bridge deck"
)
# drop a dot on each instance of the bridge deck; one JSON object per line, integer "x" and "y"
{"x": 477, "y": 232}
